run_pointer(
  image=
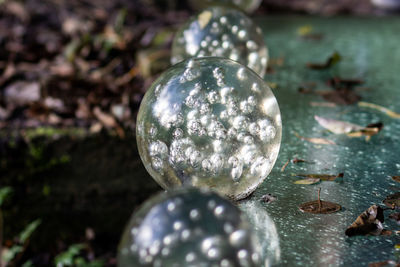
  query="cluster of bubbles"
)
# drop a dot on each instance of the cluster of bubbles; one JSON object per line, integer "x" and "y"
{"x": 222, "y": 32}
{"x": 209, "y": 122}
{"x": 189, "y": 227}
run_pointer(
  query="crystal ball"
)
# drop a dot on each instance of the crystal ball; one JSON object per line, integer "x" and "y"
{"x": 209, "y": 122}
{"x": 245, "y": 5}
{"x": 189, "y": 227}
{"x": 265, "y": 230}
{"x": 222, "y": 32}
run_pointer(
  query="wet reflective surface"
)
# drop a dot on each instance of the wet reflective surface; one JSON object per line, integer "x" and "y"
{"x": 209, "y": 122}
{"x": 369, "y": 48}
{"x": 190, "y": 227}
{"x": 222, "y": 32}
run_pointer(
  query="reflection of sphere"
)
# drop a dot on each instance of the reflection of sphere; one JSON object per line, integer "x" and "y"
{"x": 209, "y": 122}
{"x": 222, "y": 32}
{"x": 265, "y": 230}
{"x": 245, "y": 5}
{"x": 189, "y": 227}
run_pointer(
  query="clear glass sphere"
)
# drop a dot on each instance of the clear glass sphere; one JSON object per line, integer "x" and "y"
{"x": 245, "y": 5}
{"x": 189, "y": 227}
{"x": 222, "y": 32}
{"x": 265, "y": 230}
{"x": 209, "y": 122}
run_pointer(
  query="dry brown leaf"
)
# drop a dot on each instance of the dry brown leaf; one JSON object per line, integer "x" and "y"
{"x": 320, "y": 207}
{"x": 314, "y": 140}
{"x": 308, "y": 181}
{"x": 22, "y": 93}
{"x": 336, "y": 126}
{"x": 323, "y": 104}
{"x": 386, "y": 263}
{"x": 368, "y": 131}
{"x": 396, "y": 178}
{"x": 393, "y": 200}
{"x": 331, "y": 61}
{"x": 387, "y": 111}
{"x": 323, "y": 177}
{"x": 108, "y": 121}
{"x": 368, "y": 223}
{"x": 297, "y": 160}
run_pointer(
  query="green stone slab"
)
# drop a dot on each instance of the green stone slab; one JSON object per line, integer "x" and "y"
{"x": 370, "y": 50}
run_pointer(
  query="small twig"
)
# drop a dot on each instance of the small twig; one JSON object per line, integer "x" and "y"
{"x": 285, "y": 165}
{"x": 319, "y": 200}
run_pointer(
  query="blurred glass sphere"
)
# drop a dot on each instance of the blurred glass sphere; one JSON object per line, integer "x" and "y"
{"x": 209, "y": 122}
{"x": 245, "y": 5}
{"x": 265, "y": 230}
{"x": 189, "y": 227}
{"x": 222, "y": 32}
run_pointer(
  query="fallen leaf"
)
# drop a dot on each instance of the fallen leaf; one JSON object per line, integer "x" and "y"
{"x": 392, "y": 201}
{"x": 368, "y": 223}
{"x": 331, "y": 61}
{"x": 268, "y": 198}
{"x": 297, "y": 160}
{"x": 319, "y": 206}
{"x": 323, "y": 104}
{"x": 308, "y": 181}
{"x": 336, "y": 126}
{"x": 387, "y": 111}
{"x": 387, "y": 263}
{"x": 22, "y": 93}
{"x": 307, "y": 32}
{"x": 17, "y": 9}
{"x": 152, "y": 61}
{"x": 396, "y": 178}
{"x": 4, "y": 113}
{"x": 108, "y": 121}
{"x": 54, "y": 104}
{"x": 323, "y": 177}
{"x": 341, "y": 83}
{"x": 319, "y": 141}
{"x": 95, "y": 127}
{"x": 368, "y": 131}
{"x": 305, "y": 29}
{"x": 83, "y": 109}
{"x": 341, "y": 96}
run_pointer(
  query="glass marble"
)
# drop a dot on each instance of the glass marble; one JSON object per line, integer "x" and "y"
{"x": 189, "y": 227}
{"x": 265, "y": 230}
{"x": 245, "y": 5}
{"x": 209, "y": 122}
{"x": 222, "y": 32}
